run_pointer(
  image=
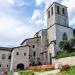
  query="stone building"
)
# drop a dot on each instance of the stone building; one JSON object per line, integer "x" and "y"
{"x": 5, "y": 58}
{"x": 37, "y": 50}
{"x": 19, "y": 57}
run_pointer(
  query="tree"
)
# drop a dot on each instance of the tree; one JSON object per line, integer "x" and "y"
{"x": 72, "y": 42}
{"x": 65, "y": 45}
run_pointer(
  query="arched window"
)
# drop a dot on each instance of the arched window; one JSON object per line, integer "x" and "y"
{"x": 63, "y": 11}
{"x": 48, "y": 14}
{"x": 58, "y": 9}
{"x": 52, "y": 11}
{"x": 65, "y": 36}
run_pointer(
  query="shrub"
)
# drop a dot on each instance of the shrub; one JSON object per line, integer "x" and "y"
{"x": 65, "y": 67}
{"x": 65, "y": 45}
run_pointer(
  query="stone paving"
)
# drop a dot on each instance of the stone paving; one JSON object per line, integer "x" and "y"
{"x": 54, "y": 72}
{"x": 66, "y": 60}
{"x": 15, "y": 73}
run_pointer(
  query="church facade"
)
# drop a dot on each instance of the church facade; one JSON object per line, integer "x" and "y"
{"x": 37, "y": 50}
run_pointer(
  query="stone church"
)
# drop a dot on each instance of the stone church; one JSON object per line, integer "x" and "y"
{"x": 45, "y": 43}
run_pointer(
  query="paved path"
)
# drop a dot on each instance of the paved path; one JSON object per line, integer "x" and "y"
{"x": 15, "y": 73}
{"x": 54, "y": 72}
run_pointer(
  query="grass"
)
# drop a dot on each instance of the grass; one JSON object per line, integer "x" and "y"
{"x": 63, "y": 54}
{"x": 43, "y": 70}
{"x": 10, "y": 73}
{"x": 33, "y": 71}
{"x": 26, "y": 73}
{"x": 71, "y": 71}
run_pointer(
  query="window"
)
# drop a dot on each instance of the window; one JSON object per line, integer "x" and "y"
{"x": 52, "y": 10}
{"x": 58, "y": 9}
{"x": 65, "y": 36}
{"x": 29, "y": 56}
{"x": 48, "y": 14}
{"x": 63, "y": 11}
{"x": 17, "y": 53}
{"x": 9, "y": 57}
{"x": 34, "y": 53}
{"x": 37, "y": 39}
{"x": 3, "y": 56}
{"x": 7, "y": 65}
{"x": 24, "y": 54}
{"x": 0, "y": 65}
{"x": 33, "y": 46}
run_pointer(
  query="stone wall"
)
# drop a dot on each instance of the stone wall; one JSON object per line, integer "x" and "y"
{"x": 4, "y": 59}
{"x": 20, "y": 55}
{"x": 35, "y": 51}
{"x": 60, "y": 30}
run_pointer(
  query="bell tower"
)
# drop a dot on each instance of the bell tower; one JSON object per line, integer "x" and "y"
{"x": 57, "y": 25}
{"x": 57, "y": 14}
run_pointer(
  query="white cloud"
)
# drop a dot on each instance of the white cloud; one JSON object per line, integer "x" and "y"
{"x": 6, "y": 2}
{"x": 71, "y": 6}
{"x": 14, "y": 2}
{"x": 72, "y": 22}
{"x": 39, "y": 2}
{"x": 38, "y": 19}
{"x": 10, "y": 1}
{"x": 46, "y": 2}
{"x": 11, "y": 26}
{"x": 36, "y": 14}
{"x": 14, "y": 29}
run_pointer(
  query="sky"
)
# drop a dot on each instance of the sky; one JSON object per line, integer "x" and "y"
{"x": 21, "y": 19}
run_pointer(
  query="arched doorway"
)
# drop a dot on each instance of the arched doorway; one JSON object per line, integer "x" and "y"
{"x": 20, "y": 66}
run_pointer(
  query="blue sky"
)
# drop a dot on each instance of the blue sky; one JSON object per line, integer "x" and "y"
{"x": 21, "y": 19}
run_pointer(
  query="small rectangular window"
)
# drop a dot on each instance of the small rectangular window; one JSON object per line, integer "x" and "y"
{"x": 48, "y": 14}
{"x": 9, "y": 57}
{"x": 7, "y": 65}
{"x": 58, "y": 9}
{"x": 0, "y": 65}
{"x": 24, "y": 54}
{"x": 33, "y": 46}
{"x": 34, "y": 53}
{"x": 52, "y": 10}
{"x": 17, "y": 53}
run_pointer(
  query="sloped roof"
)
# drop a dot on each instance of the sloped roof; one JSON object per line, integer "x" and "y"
{"x": 5, "y": 48}
{"x": 29, "y": 39}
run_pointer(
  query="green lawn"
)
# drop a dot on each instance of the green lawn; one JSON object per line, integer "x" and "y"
{"x": 10, "y": 73}
{"x": 69, "y": 72}
{"x": 63, "y": 54}
{"x": 33, "y": 71}
{"x": 26, "y": 73}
